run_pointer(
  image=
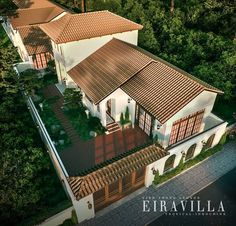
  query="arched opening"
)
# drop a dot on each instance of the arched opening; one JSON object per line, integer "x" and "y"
{"x": 169, "y": 164}
{"x": 190, "y": 152}
{"x": 209, "y": 142}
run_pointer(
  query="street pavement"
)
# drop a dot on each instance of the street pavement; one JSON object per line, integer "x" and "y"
{"x": 129, "y": 210}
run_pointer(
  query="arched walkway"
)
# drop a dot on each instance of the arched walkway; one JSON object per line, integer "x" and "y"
{"x": 169, "y": 164}
{"x": 209, "y": 142}
{"x": 190, "y": 152}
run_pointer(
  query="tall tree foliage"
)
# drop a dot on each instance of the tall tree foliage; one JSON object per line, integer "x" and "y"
{"x": 27, "y": 178}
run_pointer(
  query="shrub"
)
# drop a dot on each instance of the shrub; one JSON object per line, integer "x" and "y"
{"x": 156, "y": 178}
{"x": 122, "y": 118}
{"x": 127, "y": 114}
{"x": 223, "y": 139}
{"x": 74, "y": 218}
{"x": 182, "y": 166}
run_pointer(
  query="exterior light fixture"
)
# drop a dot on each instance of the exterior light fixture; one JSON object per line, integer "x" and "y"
{"x": 89, "y": 205}
{"x": 203, "y": 142}
{"x": 183, "y": 153}
{"x": 158, "y": 126}
{"x": 87, "y": 113}
{"x": 41, "y": 106}
{"x": 154, "y": 171}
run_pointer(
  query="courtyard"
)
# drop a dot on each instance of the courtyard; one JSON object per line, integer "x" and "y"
{"x": 80, "y": 155}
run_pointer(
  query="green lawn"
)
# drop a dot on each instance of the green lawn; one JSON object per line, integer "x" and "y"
{"x": 84, "y": 125}
{"x": 53, "y": 125}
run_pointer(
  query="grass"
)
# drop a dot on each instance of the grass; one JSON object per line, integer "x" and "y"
{"x": 84, "y": 125}
{"x": 53, "y": 125}
{"x": 183, "y": 166}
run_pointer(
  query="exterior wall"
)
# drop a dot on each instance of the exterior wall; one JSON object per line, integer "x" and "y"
{"x": 182, "y": 148}
{"x": 10, "y": 31}
{"x": 119, "y": 102}
{"x": 82, "y": 210}
{"x": 68, "y": 55}
{"x": 205, "y": 100}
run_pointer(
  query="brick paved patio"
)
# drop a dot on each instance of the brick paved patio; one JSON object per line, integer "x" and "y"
{"x": 128, "y": 211}
{"x": 85, "y": 154}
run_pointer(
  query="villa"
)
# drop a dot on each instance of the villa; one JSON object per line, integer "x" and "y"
{"x": 32, "y": 43}
{"x": 97, "y": 53}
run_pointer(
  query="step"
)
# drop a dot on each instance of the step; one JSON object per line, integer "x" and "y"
{"x": 112, "y": 125}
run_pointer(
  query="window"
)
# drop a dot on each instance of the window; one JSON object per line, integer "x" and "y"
{"x": 141, "y": 118}
{"x": 174, "y": 133}
{"x": 186, "y": 126}
{"x": 148, "y": 123}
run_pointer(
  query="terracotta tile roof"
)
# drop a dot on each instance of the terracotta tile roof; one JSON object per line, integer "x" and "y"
{"x": 34, "y": 16}
{"x": 161, "y": 90}
{"x": 83, "y": 186}
{"x": 158, "y": 86}
{"x": 108, "y": 68}
{"x": 26, "y": 4}
{"x": 35, "y": 40}
{"x": 74, "y": 27}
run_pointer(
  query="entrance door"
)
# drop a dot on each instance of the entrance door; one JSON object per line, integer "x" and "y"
{"x": 145, "y": 121}
{"x": 109, "y": 106}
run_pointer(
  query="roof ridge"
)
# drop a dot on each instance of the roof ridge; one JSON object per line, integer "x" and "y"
{"x": 125, "y": 18}
{"x": 69, "y": 16}
{"x": 179, "y": 70}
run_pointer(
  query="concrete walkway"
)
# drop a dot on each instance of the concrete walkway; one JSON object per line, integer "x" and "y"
{"x": 130, "y": 210}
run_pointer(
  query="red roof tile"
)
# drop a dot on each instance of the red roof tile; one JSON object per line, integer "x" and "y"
{"x": 35, "y": 40}
{"x": 83, "y": 186}
{"x": 74, "y": 27}
{"x": 158, "y": 86}
{"x": 108, "y": 68}
{"x": 29, "y": 4}
{"x": 34, "y": 16}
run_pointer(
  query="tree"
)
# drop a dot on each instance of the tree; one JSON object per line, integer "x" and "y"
{"x": 30, "y": 81}
{"x": 73, "y": 99}
{"x": 7, "y": 7}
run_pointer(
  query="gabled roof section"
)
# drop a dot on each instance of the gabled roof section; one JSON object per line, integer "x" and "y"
{"x": 107, "y": 69}
{"x": 32, "y": 16}
{"x": 74, "y": 27}
{"x": 83, "y": 186}
{"x": 161, "y": 88}
{"x": 30, "y": 4}
{"x": 35, "y": 40}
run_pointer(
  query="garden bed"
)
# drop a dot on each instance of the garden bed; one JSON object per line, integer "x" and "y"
{"x": 53, "y": 125}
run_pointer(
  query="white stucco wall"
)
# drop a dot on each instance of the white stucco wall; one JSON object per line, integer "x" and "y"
{"x": 70, "y": 54}
{"x": 10, "y": 31}
{"x": 82, "y": 210}
{"x": 119, "y": 103}
{"x": 183, "y": 147}
{"x": 205, "y": 100}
